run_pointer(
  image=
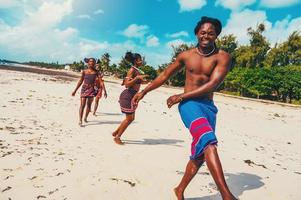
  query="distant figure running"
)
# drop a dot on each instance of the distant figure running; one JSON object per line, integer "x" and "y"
{"x": 88, "y": 91}
{"x": 135, "y": 77}
{"x": 206, "y": 67}
{"x": 99, "y": 88}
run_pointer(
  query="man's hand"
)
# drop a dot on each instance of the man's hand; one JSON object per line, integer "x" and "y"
{"x": 174, "y": 100}
{"x": 138, "y": 97}
{"x": 73, "y": 93}
{"x": 106, "y": 95}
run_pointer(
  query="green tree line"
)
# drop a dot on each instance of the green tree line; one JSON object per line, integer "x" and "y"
{"x": 262, "y": 71}
{"x": 46, "y": 65}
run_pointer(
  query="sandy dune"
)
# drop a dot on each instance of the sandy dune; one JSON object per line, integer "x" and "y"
{"x": 44, "y": 154}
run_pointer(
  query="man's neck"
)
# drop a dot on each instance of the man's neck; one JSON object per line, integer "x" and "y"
{"x": 206, "y": 51}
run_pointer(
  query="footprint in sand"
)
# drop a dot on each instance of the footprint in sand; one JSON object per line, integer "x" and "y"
{"x": 34, "y": 177}
{"x": 250, "y": 163}
{"x": 6, "y": 154}
{"x": 60, "y": 173}
{"x": 38, "y": 186}
{"x": 9, "y": 176}
{"x": 9, "y": 128}
{"x": 41, "y": 197}
{"x": 51, "y": 192}
{"x": 132, "y": 184}
{"x": 6, "y": 189}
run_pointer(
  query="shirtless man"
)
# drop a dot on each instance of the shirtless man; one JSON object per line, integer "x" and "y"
{"x": 206, "y": 68}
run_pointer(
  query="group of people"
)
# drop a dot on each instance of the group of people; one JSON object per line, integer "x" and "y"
{"x": 93, "y": 86}
{"x": 206, "y": 67}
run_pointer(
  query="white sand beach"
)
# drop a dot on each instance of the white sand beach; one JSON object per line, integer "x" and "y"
{"x": 44, "y": 154}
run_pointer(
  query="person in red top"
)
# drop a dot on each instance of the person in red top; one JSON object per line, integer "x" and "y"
{"x": 88, "y": 77}
{"x": 100, "y": 88}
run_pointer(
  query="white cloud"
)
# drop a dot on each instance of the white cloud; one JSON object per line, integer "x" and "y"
{"x": 282, "y": 29}
{"x": 48, "y": 15}
{"x": 278, "y": 3}
{"x": 234, "y": 4}
{"x": 66, "y": 34}
{"x": 88, "y": 46}
{"x": 9, "y": 3}
{"x": 189, "y": 5}
{"x": 177, "y": 34}
{"x": 38, "y": 38}
{"x": 239, "y": 22}
{"x": 25, "y": 4}
{"x": 85, "y": 16}
{"x": 99, "y": 11}
{"x": 152, "y": 41}
{"x": 174, "y": 43}
{"x": 4, "y": 27}
{"x": 53, "y": 44}
{"x": 135, "y": 31}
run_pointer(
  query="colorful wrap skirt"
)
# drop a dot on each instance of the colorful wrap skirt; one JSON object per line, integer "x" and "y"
{"x": 125, "y": 101}
{"x": 199, "y": 116}
{"x": 88, "y": 91}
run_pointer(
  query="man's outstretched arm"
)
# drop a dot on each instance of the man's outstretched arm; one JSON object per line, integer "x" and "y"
{"x": 166, "y": 74}
{"x": 162, "y": 78}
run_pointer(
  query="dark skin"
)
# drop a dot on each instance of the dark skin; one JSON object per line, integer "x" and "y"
{"x": 129, "y": 82}
{"x": 86, "y": 101}
{"x": 98, "y": 98}
{"x": 206, "y": 68}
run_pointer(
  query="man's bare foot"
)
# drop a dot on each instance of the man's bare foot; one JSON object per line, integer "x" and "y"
{"x": 179, "y": 194}
{"x": 117, "y": 140}
{"x": 94, "y": 114}
{"x": 114, "y": 133}
{"x": 85, "y": 120}
{"x": 80, "y": 123}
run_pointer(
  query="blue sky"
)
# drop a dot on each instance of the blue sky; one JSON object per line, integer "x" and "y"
{"x": 69, "y": 30}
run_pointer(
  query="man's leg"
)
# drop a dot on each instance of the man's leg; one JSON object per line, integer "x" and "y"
{"x": 192, "y": 168}
{"x": 215, "y": 168}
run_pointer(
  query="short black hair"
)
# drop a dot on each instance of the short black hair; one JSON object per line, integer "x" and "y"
{"x": 87, "y": 60}
{"x": 215, "y": 22}
{"x": 132, "y": 57}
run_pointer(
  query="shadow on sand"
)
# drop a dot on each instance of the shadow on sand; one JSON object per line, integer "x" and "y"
{"x": 105, "y": 113}
{"x": 238, "y": 183}
{"x": 98, "y": 122}
{"x": 171, "y": 142}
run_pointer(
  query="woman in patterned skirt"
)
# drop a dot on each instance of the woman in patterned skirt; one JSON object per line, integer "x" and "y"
{"x": 88, "y": 91}
{"x": 135, "y": 77}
